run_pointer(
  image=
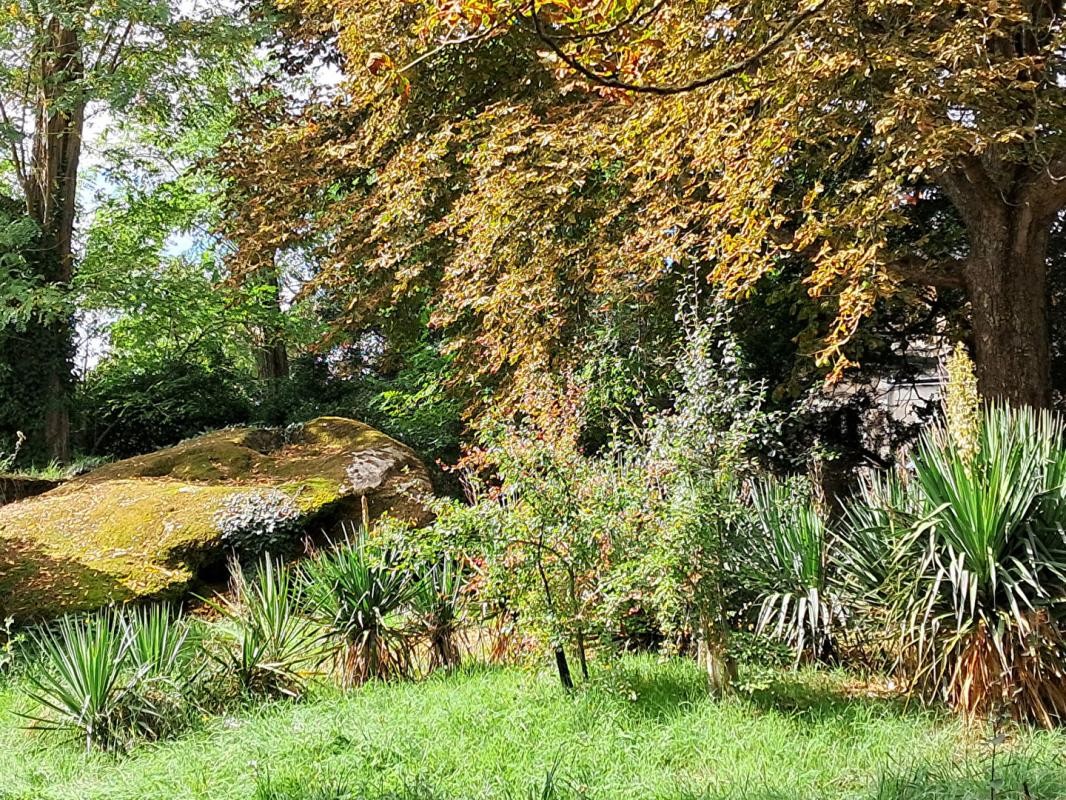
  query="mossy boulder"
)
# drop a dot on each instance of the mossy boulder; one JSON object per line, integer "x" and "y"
{"x": 148, "y": 526}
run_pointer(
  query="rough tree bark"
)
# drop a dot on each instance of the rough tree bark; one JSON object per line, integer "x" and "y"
{"x": 50, "y": 186}
{"x": 1008, "y": 212}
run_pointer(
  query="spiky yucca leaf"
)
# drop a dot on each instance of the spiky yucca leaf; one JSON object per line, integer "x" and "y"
{"x": 157, "y": 640}
{"x": 277, "y": 650}
{"x": 975, "y": 588}
{"x": 438, "y": 603}
{"x": 81, "y": 684}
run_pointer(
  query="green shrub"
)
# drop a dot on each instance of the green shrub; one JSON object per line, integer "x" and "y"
{"x": 360, "y": 599}
{"x": 257, "y": 523}
{"x": 139, "y": 403}
{"x": 113, "y": 677}
{"x": 157, "y": 641}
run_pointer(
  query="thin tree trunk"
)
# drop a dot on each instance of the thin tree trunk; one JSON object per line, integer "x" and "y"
{"x": 272, "y": 357}
{"x": 564, "y": 668}
{"x": 59, "y": 342}
{"x": 582, "y": 656}
{"x": 713, "y": 655}
{"x": 51, "y": 201}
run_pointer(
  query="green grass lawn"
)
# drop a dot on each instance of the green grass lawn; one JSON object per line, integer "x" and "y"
{"x": 644, "y": 729}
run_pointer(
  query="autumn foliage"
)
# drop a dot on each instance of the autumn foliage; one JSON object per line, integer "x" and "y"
{"x": 520, "y": 166}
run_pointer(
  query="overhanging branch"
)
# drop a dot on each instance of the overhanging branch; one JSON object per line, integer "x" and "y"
{"x": 950, "y": 274}
{"x": 724, "y": 73}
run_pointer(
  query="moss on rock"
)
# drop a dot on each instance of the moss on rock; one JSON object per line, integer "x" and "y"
{"x": 144, "y": 527}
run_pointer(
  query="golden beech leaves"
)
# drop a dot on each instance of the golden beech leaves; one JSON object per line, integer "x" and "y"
{"x": 513, "y": 186}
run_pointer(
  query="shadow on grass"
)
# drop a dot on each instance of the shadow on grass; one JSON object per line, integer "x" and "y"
{"x": 820, "y": 697}
{"x": 661, "y": 691}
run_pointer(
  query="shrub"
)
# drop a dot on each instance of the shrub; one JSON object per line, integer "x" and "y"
{"x": 139, "y": 402}
{"x": 359, "y": 600}
{"x": 157, "y": 641}
{"x": 257, "y": 523}
{"x": 163, "y": 674}
{"x": 274, "y": 650}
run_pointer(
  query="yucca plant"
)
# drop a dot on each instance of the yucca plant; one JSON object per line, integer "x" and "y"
{"x": 981, "y": 620}
{"x": 157, "y": 640}
{"x": 789, "y": 566}
{"x": 360, "y": 600}
{"x": 964, "y": 564}
{"x": 83, "y": 684}
{"x": 438, "y": 602}
{"x": 276, "y": 651}
{"x": 875, "y": 553}
{"x": 162, "y": 670}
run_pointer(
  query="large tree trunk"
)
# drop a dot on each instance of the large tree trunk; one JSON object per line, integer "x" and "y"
{"x": 51, "y": 195}
{"x": 1006, "y": 280}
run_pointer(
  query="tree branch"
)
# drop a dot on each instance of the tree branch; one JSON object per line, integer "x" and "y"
{"x": 17, "y": 155}
{"x": 950, "y": 274}
{"x": 635, "y": 17}
{"x": 1046, "y": 192}
{"x": 474, "y": 37}
{"x": 971, "y": 190}
{"x": 726, "y": 72}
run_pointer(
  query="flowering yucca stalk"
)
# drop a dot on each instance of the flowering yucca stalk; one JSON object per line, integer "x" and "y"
{"x": 962, "y": 404}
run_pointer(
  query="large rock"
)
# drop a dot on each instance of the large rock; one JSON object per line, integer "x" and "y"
{"x": 147, "y": 526}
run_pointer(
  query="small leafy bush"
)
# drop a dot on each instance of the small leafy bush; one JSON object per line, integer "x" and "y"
{"x": 256, "y": 523}
{"x": 10, "y": 641}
